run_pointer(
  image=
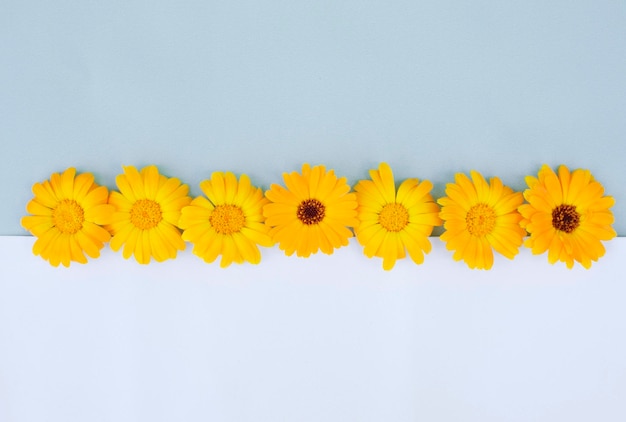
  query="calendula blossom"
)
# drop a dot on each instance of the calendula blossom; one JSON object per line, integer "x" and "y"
{"x": 394, "y": 221}
{"x": 148, "y": 208}
{"x": 228, "y": 221}
{"x": 481, "y": 217}
{"x": 66, "y": 217}
{"x": 567, "y": 215}
{"x": 313, "y": 213}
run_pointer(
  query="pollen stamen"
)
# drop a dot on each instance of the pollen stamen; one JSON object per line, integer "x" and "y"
{"x": 68, "y": 216}
{"x": 480, "y": 220}
{"x": 393, "y": 217}
{"x": 227, "y": 219}
{"x": 145, "y": 214}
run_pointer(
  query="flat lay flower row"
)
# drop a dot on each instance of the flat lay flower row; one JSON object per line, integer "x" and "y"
{"x": 151, "y": 216}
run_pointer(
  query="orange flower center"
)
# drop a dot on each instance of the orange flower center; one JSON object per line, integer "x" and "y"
{"x": 68, "y": 216}
{"x": 565, "y": 218}
{"x": 145, "y": 214}
{"x": 311, "y": 211}
{"x": 480, "y": 220}
{"x": 227, "y": 219}
{"x": 393, "y": 217}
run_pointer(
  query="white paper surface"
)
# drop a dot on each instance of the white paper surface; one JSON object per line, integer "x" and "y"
{"x": 329, "y": 338}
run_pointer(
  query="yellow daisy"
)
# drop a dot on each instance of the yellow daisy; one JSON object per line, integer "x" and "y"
{"x": 480, "y": 217}
{"x": 148, "y": 207}
{"x": 392, "y": 222}
{"x": 67, "y": 212}
{"x": 567, "y": 215}
{"x": 313, "y": 213}
{"x": 229, "y": 222}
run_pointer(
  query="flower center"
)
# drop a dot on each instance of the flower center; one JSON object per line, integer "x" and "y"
{"x": 565, "y": 218}
{"x": 227, "y": 219}
{"x": 311, "y": 211}
{"x": 480, "y": 220}
{"x": 68, "y": 216}
{"x": 393, "y": 217}
{"x": 145, "y": 214}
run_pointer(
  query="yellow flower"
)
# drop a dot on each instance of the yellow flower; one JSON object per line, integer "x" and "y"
{"x": 67, "y": 212}
{"x": 391, "y": 221}
{"x": 229, "y": 222}
{"x": 147, "y": 211}
{"x": 479, "y": 217}
{"x": 313, "y": 213}
{"x": 567, "y": 215}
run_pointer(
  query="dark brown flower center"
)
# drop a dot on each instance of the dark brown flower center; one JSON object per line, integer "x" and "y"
{"x": 311, "y": 211}
{"x": 565, "y": 218}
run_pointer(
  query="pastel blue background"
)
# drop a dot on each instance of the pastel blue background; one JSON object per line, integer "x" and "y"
{"x": 433, "y": 88}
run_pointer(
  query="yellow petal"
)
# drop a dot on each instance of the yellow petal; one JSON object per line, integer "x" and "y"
{"x": 125, "y": 188}
{"x": 150, "y": 177}
{"x": 297, "y": 185}
{"x": 82, "y": 185}
{"x": 481, "y": 186}
{"x": 565, "y": 178}
{"x": 67, "y": 185}
{"x": 130, "y": 243}
{"x": 167, "y": 187}
{"x": 249, "y": 251}
{"x": 385, "y": 182}
{"x": 553, "y": 185}
{"x": 579, "y": 180}
{"x": 134, "y": 181}
{"x": 315, "y": 179}
{"x": 244, "y": 190}
{"x": 45, "y": 195}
